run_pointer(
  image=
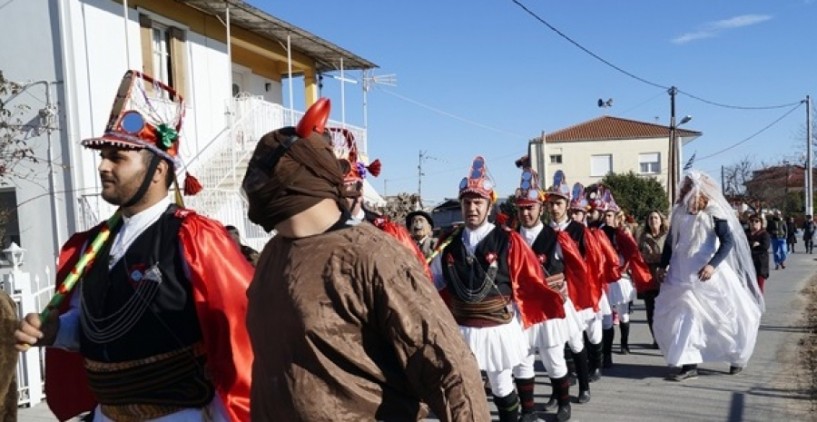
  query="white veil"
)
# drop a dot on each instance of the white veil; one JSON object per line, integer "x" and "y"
{"x": 697, "y": 183}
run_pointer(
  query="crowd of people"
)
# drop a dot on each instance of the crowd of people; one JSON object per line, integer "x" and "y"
{"x": 346, "y": 314}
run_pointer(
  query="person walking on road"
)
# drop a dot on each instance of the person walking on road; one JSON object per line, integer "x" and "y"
{"x": 759, "y": 242}
{"x": 777, "y": 230}
{"x": 808, "y": 234}
{"x": 791, "y": 234}
{"x": 710, "y": 303}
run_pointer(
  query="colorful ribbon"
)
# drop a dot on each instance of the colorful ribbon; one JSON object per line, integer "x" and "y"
{"x": 79, "y": 268}
{"x": 442, "y": 245}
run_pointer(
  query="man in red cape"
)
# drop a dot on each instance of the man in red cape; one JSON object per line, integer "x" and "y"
{"x": 155, "y": 328}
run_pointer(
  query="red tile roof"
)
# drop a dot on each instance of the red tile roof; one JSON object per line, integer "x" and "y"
{"x": 606, "y": 128}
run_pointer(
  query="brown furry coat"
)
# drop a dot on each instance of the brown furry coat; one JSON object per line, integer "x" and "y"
{"x": 8, "y": 360}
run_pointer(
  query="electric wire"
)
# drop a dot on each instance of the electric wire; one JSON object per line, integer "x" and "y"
{"x": 754, "y": 134}
{"x": 638, "y": 78}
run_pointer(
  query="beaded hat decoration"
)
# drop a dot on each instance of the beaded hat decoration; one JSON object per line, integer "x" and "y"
{"x": 478, "y": 181}
{"x": 578, "y": 201}
{"x": 560, "y": 188}
{"x": 345, "y": 147}
{"x": 528, "y": 192}
{"x": 146, "y": 113}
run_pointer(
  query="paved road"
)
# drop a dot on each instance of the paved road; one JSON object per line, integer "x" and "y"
{"x": 635, "y": 389}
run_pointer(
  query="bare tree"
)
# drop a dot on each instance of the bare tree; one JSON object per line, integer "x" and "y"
{"x": 13, "y": 131}
{"x": 397, "y": 207}
{"x": 735, "y": 177}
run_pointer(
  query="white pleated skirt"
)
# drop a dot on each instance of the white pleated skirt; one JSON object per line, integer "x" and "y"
{"x": 499, "y": 347}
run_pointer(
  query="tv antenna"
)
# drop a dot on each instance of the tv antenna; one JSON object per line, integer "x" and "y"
{"x": 370, "y": 80}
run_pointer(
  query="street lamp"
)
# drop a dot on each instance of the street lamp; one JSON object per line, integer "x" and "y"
{"x": 14, "y": 254}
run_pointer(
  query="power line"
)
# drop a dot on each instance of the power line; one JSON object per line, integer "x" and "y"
{"x": 754, "y": 134}
{"x": 451, "y": 115}
{"x": 636, "y": 77}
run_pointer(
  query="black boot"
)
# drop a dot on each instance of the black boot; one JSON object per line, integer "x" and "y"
{"x": 524, "y": 387}
{"x": 561, "y": 387}
{"x": 583, "y": 375}
{"x": 607, "y": 337}
{"x": 594, "y": 360}
{"x": 508, "y": 407}
{"x": 625, "y": 337}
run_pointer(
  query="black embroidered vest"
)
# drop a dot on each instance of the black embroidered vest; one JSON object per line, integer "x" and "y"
{"x": 545, "y": 245}
{"x": 146, "y": 285}
{"x": 471, "y": 269}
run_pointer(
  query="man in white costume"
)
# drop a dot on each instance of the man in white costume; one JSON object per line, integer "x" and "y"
{"x": 710, "y": 305}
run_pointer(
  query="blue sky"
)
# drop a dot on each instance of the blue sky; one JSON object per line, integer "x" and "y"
{"x": 483, "y": 77}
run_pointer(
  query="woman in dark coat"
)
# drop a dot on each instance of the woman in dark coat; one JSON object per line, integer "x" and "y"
{"x": 759, "y": 242}
{"x": 791, "y": 229}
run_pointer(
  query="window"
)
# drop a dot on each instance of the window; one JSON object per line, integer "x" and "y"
{"x": 556, "y": 159}
{"x": 649, "y": 163}
{"x": 601, "y": 165}
{"x": 162, "y": 63}
{"x": 164, "y": 52}
{"x": 9, "y": 226}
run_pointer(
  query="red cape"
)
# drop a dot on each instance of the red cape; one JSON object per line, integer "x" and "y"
{"x": 403, "y": 236}
{"x": 536, "y": 301}
{"x": 594, "y": 259}
{"x": 582, "y": 293}
{"x": 639, "y": 270}
{"x": 611, "y": 268}
{"x": 220, "y": 277}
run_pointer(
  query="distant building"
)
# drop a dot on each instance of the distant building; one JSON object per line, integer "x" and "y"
{"x": 588, "y": 151}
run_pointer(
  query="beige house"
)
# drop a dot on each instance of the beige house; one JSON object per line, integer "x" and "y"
{"x": 586, "y": 152}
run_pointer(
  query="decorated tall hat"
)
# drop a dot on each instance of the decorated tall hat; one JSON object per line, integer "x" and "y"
{"x": 354, "y": 170}
{"x": 560, "y": 188}
{"x": 578, "y": 200}
{"x": 478, "y": 181}
{"x": 528, "y": 192}
{"x": 604, "y": 200}
{"x": 146, "y": 114}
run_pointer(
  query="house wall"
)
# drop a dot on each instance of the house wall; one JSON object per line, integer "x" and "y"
{"x": 576, "y": 158}
{"x": 80, "y": 48}
{"x": 32, "y": 55}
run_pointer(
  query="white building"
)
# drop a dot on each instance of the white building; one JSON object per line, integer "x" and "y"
{"x": 228, "y": 59}
{"x": 588, "y": 151}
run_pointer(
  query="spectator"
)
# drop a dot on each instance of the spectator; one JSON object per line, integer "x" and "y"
{"x": 759, "y": 242}
{"x": 651, "y": 245}
{"x": 808, "y": 233}
{"x": 249, "y": 253}
{"x": 777, "y": 231}
{"x": 791, "y": 234}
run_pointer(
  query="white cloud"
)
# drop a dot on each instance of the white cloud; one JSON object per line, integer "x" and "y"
{"x": 711, "y": 29}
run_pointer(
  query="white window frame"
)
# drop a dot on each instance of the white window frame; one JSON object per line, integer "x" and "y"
{"x": 649, "y": 163}
{"x": 596, "y": 165}
{"x": 160, "y": 44}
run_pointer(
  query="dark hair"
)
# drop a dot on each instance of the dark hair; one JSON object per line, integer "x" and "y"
{"x": 230, "y": 227}
{"x": 170, "y": 175}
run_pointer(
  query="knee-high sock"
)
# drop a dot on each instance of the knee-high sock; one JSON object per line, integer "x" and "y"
{"x": 508, "y": 407}
{"x": 582, "y": 369}
{"x": 524, "y": 387}
{"x": 607, "y": 338}
{"x": 561, "y": 389}
{"x": 594, "y": 355}
{"x": 625, "y": 334}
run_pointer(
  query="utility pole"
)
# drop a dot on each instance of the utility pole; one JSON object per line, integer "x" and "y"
{"x": 672, "y": 178}
{"x": 809, "y": 186}
{"x": 420, "y": 175}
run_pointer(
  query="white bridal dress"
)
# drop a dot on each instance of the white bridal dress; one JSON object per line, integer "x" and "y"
{"x": 705, "y": 321}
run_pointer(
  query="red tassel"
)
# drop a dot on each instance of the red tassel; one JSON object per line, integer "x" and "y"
{"x": 502, "y": 219}
{"x": 374, "y": 168}
{"x": 192, "y": 185}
